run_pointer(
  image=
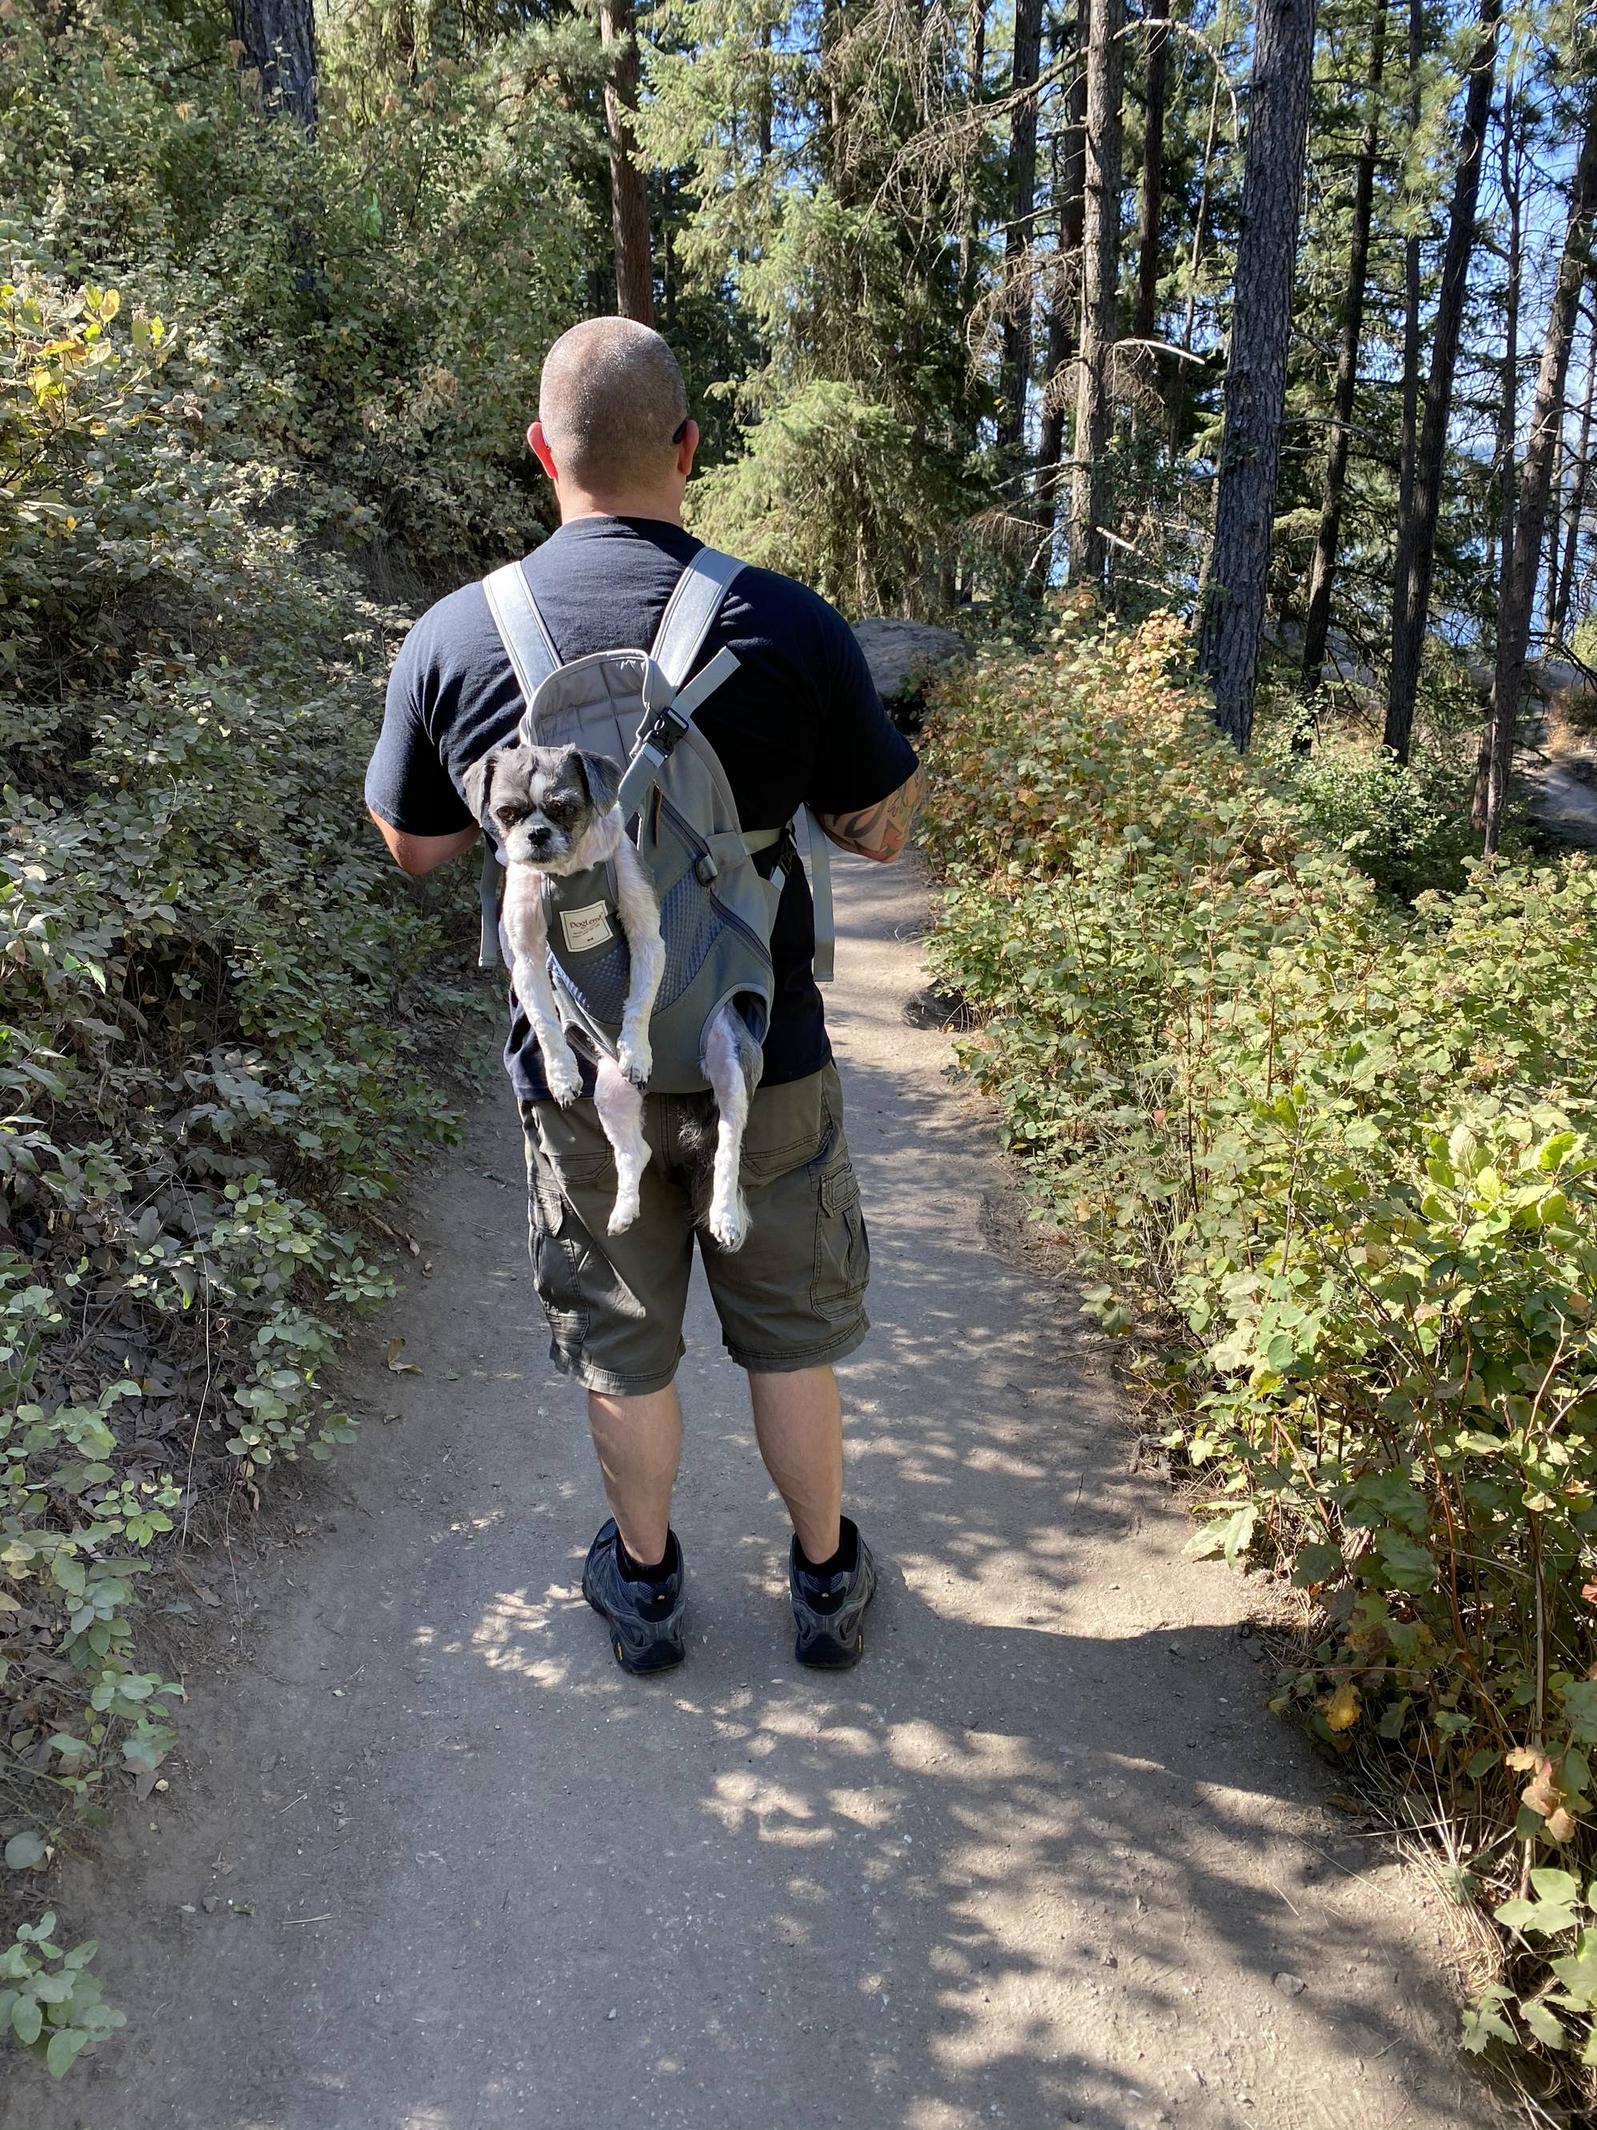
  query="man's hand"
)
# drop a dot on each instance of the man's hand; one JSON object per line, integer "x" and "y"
{"x": 418, "y": 855}
{"x": 878, "y": 831}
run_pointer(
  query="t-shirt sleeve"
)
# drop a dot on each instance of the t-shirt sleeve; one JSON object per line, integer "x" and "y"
{"x": 406, "y": 782}
{"x": 860, "y": 755}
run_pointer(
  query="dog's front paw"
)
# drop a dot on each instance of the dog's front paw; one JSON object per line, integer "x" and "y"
{"x": 636, "y": 1061}
{"x": 560, "y": 1069}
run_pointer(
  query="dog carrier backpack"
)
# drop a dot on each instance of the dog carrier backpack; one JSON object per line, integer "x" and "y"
{"x": 637, "y": 708}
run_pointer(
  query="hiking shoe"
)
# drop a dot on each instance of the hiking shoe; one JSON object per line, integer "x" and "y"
{"x": 829, "y": 1609}
{"x": 644, "y": 1619}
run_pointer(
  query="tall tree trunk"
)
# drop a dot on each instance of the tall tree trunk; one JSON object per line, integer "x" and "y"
{"x": 1100, "y": 285}
{"x": 1322, "y": 575}
{"x": 1200, "y": 220}
{"x": 1146, "y": 313}
{"x": 1556, "y": 506}
{"x": 1508, "y": 393}
{"x": 1411, "y": 289}
{"x": 1064, "y": 300}
{"x": 975, "y": 90}
{"x": 1016, "y": 373}
{"x": 629, "y": 197}
{"x": 1579, "y": 489}
{"x": 1519, "y": 581}
{"x": 1178, "y": 396}
{"x": 278, "y": 40}
{"x": 1255, "y": 377}
{"x": 1416, "y": 537}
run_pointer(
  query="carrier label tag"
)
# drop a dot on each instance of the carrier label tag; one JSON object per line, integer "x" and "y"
{"x": 587, "y": 927}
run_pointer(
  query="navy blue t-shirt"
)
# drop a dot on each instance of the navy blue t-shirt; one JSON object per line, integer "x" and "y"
{"x": 799, "y": 723}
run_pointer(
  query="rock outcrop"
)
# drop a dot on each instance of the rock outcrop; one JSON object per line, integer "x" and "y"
{"x": 903, "y": 656}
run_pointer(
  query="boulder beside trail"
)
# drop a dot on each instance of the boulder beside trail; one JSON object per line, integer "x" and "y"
{"x": 903, "y": 656}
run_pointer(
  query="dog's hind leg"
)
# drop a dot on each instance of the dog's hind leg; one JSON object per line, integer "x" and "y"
{"x": 731, "y": 1073}
{"x": 619, "y": 1102}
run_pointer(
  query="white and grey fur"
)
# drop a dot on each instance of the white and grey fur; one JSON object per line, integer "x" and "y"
{"x": 554, "y": 811}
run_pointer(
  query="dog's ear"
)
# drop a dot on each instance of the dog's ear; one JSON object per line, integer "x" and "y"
{"x": 477, "y": 780}
{"x": 603, "y": 779}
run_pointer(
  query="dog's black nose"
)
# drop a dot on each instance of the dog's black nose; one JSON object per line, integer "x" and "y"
{"x": 540, "y": 837}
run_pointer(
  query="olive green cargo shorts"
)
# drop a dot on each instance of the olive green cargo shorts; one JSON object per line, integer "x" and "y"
{"x": 792, "y": 1297}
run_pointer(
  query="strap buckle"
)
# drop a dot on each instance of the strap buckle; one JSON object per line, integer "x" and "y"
{"x": 664, "y": 733}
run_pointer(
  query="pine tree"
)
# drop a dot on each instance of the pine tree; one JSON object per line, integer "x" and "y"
{"x": 629, "y": 198}
{"x": 1416, "y": 538}
{"x": 1317, "y": 622}
{"x": 1100, "y": 292}
{"x": 1530, "y": 517}
{"x": 1255, "y": 381}
{"x": 278, "y": 43}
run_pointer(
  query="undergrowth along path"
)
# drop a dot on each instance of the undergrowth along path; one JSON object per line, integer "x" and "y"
{"x": 430, "y": 1862}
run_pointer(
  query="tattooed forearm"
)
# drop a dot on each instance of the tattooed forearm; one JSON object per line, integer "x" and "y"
{"x": 878, "y": 831}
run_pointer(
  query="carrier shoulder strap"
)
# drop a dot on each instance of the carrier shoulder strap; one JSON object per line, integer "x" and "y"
{"x": 819, "y": 861}
{"x": 690, "y": 612}
{"x": 533, "y": 657}
{"x": 528, "y": 644}
{"x": 689, "y": 616}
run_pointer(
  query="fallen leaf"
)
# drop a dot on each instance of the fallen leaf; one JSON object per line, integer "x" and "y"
{"x": 400, "y": 1368}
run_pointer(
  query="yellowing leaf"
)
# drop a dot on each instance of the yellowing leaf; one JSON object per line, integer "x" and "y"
{"x": 400, "y": 1368}
{"x": 1342, "y": 1709}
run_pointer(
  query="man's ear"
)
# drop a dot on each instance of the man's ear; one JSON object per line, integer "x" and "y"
{"x": 538, "y": 443}
{"x": 603, "y": 778}
{"x": 477, "y": 780}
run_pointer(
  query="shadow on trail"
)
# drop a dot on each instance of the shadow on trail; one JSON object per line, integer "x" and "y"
{"x": 1039, "y": 1861}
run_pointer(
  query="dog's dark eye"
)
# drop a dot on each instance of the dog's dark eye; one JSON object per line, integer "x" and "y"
{"x": 557, "y": 810}
{"x": 509, "y": 816}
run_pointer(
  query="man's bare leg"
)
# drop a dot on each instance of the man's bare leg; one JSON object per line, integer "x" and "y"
{"x": 639, "y": 1441}
{"x": 798, "y": 1421}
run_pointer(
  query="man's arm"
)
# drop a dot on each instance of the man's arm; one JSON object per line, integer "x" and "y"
{"x": 419, "y": 855}
{"x": 878, "y": 831}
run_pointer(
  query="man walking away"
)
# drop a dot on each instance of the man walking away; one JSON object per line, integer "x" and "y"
{"x": 799, "y": 723}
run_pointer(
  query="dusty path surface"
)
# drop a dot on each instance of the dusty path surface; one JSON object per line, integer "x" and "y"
{"x": 431, "y": 1862}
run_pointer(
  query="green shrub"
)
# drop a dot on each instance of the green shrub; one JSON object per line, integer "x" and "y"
{"x": 1336, "y": 1157}
{"x": 207, "y": 1064}
{"x": 1408, "y": 828}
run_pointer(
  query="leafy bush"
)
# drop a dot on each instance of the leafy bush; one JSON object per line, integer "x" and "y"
{"x": 1407, "y": 828}
{"x": 208, "y": 1060}
{"x": 1336, "y": 1157}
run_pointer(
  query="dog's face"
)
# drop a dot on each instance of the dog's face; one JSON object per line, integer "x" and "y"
{"x": 542, "y": 802}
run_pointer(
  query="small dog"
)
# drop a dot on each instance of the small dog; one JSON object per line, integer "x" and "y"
{"x": 555, "y": 811}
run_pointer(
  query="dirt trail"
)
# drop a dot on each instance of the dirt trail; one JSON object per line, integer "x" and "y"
{"x": 1044, "y": 1859}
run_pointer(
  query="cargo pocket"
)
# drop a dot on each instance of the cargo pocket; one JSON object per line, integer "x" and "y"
{"x": 787, "y": 1126}
{"x": 842, "y": 1243}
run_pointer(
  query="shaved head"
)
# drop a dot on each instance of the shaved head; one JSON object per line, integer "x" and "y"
{"x": 612, "y": 403}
